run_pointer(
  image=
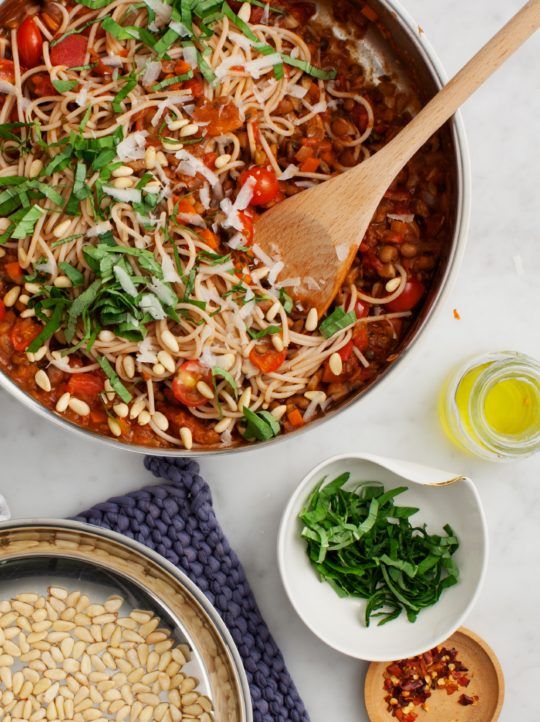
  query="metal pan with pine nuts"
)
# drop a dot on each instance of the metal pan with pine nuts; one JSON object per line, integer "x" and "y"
{"x": 224, "y": 358}
{"x": 98, "y": 628}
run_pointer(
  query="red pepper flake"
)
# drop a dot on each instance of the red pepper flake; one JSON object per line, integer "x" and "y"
{"x": 456, "y": 315}
{"x": 410, "y": 682}
{"x": 465, "y": 700}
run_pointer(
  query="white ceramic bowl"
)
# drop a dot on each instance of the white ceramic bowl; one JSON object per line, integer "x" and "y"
{"x": 442, "y": 498}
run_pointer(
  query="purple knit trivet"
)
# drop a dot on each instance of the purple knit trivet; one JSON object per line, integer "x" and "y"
{"x": 177, "y": 520}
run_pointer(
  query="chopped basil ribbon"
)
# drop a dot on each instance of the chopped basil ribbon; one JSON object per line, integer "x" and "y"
{"x": 50, "y": 328}
{"x": 95, "y": 4}
{"x": 260, "y": 425}
{"x": 336, "y": 321}
{"x": 124, "y": 92}
{"x": 62, "y": 86}
{"x": 171, "y": 81}
{"x": 285, "y": 300}
{"x": 26, "y": 224}
{"x": 308, "y": 68}
{"x": 268, "y": 331}
{"x": 217, "y": 371}
{"x": 74, "y": 275}
{"x": 111, "y": 374}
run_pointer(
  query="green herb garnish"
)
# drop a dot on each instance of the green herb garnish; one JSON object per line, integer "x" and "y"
{"x": 365, "y": 546}
{"x": 336, "y": 321}
{"x": 260, "y": 425}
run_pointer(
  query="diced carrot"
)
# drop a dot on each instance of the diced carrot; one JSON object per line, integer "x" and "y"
{"x": 185, "y": 206}
{"x": 456, "y": 315}
{"x": 304, "y": 153}
{"x": 210, "y": 238}
{"x": 310, "y": 165}
{"x": 295, "y": 418}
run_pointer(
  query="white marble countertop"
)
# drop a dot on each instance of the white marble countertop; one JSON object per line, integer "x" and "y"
{"x": 47, "y": 472}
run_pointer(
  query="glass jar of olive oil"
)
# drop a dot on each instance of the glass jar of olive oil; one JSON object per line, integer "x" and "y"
{"x": 490, "y": 406}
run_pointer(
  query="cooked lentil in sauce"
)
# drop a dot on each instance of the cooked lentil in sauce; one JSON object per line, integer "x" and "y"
{"x": 139, "y": 143}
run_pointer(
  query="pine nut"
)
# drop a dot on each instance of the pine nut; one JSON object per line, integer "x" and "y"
{"x": 123, "y": 183}
{"x": 260, "y": 273}
{"x": 312, "y": 320}
{"x": 63, "y": 402}
{"x": 158, "y": 369}
{"x": 114, "y": 426}
{"x": 205, "y": 390}
{"x": 393, "y": 284}
{"x": 245, "y": 398}
{"x": 29, "y": 313}
{"x": 226, "y": 361}
{"x": 32, "y": 287}
{"x": 42, "y": 380}
{"x": 128, "y": 363}
{"x": 318, "y": 396}
{"x": 150, "y": 157}
{"x": 273, "y": 311}
{"x": 122, "y": 172}
{"x": 245, "y": 12}
{"x": 336, "y": 364}
{"x": 35, "y": 169}
{"x": 121, "y": 410}
{"x": 279, "y": 412}
{"x": 144, "y": 418}
{"x": 136, "y": 407}
{"x": 62, "y": 228}
{"x": 152, "y": 188}
{"x": 167, "y": 361}
{"x": 10, "y": 299}
{"x": 161, "y": 159}
{"x": 177, "y": 124}
{"x": 106, "y": 335}
{"x": 78, "y": 406}
{"x": 277, "y": 342}
{"x": 222, "y": 160}
{"x": 24, "y": 298}
{"x": 169, "y": 341}
{"x": 161, "y": 421}
{"x": 62, "y": 282}
{"x": 190, "y": 129}
{"x": 172, "y": 146}
{"x": 223, "y": 425}
{"x": 186, "y": 437}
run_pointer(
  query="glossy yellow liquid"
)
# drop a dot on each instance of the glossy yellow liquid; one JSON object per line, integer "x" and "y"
{"x": 510, "y": 409}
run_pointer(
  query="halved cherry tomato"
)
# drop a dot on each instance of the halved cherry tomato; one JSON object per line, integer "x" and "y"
{"x": 30, "y": 43}
{"x": 7, "y": 71}
{"x": 247, "y": 218}
{"x": 210, "y": 238}
{"x": 361, "y": 308}
{"x": 184, "y": 386}
{"x": 70, "y": 51}
{"x": 86, "y": 386}
{"x": 210, "y": 159}
{"x": 408, "y": 298}
{"x": 346, "y": 351}
{"x": 2, "y": 311}
{"x": 14, "y": 272}
{"x": 23, "y": 332}
{"x": 266, "y": 359}
{"x": 266, "y": 185}
{"x": 295, "y": 418}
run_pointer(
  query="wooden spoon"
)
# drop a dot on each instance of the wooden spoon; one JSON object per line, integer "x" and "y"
{"x": 316, "y": 233}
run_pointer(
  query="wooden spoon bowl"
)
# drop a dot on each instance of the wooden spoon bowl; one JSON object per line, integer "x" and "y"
{"x": 487, "y": 682}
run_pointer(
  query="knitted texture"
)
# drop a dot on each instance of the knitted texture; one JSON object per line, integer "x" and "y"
{"x": 177, "y": 520}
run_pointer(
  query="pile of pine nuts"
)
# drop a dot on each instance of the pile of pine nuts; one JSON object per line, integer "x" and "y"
{"x": 63, "y": 657}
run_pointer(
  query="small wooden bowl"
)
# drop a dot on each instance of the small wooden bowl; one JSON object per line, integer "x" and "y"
{"x": 487, "y": 682}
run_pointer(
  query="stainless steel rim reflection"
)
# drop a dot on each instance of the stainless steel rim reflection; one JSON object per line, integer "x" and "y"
{"x": 427, "y": 61}
{"x": 169, "y": 588}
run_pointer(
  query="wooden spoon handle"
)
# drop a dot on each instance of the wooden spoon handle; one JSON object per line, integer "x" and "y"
{"x": 443, "y": 105}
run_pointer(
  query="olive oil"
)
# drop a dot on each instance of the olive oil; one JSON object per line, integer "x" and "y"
{"x": 491, "y": 406}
